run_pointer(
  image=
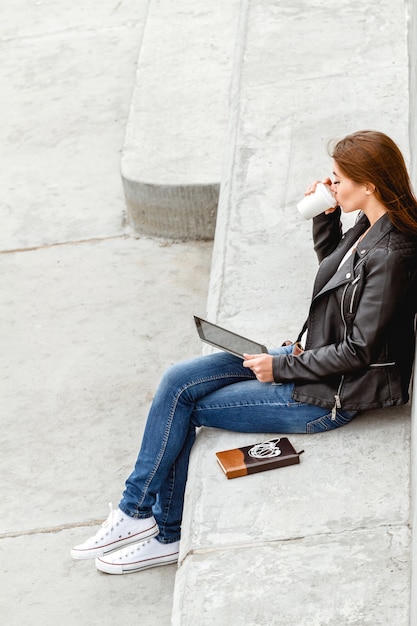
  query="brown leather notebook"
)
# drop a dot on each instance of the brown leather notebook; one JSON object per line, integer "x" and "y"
{"x": 258, "y": 457}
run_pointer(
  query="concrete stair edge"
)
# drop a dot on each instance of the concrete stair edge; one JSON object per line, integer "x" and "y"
{"x": 220, "y": 305}
{"x": 172, "y": 155}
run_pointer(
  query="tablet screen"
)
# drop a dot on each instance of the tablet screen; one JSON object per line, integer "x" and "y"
{"x": 227, "y": 340}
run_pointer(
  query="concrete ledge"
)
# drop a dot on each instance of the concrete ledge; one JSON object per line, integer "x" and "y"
{"x": 339, "y": 521}
{"x": 172, "y": 211}
{"x": 337, "y": 488}
{"x": 321, "y": 542}
{"x": 173, "y": 151}
{"x": 256, "y": 585}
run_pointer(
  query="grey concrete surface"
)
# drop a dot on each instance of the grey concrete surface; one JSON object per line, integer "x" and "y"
{"x": 308, "y": 73}
{"x": 237, "y": 590}
{"x": 338, "y": 484}
{"x": 67, "y": 75}
{"x": 175, "y": 135}
{"x": 90, "y": 313}
{"x": 41, "y": 585}
{"x": 87, "y": 330}
{"x": 412, "y": 45}
{"x": 283, "y": 115}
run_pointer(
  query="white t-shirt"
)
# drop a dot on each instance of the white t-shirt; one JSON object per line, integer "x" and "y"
{"x": 345, "y": 258}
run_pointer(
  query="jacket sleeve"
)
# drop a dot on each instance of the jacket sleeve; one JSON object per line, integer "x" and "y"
{"x": 386, "y": 277}
{"x": 327, "y": 232}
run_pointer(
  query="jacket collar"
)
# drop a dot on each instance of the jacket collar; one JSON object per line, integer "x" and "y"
{"x": 378, "y": 230}
{"x": 331, "y": 275}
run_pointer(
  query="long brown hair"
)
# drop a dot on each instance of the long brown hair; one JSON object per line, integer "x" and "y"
{"x": 371, "y": 157}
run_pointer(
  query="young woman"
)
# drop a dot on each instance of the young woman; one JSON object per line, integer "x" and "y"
{"x": 358, "y": 339}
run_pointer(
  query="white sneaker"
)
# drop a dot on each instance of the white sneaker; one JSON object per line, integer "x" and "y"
{"x": 118, "y": 530}
{"x": 144, "y": 555}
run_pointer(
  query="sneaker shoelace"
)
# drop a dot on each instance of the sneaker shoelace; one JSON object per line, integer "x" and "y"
{"x": 137, "y": 547}
{"x": 108, "y": 526}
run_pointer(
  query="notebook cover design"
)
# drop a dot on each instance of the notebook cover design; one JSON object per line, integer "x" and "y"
{"x": 240, "y": 462}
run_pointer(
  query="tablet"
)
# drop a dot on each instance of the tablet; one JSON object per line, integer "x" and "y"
{"x": 226, "y": 340}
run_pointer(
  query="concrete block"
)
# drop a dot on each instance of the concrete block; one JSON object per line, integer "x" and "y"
{"x": 290, "y": 97}
{"x": 306, "y": 75}
{"x": 173, "y": 152}
{"x": 336, "y": 488}
{"x": 319, "y": 580}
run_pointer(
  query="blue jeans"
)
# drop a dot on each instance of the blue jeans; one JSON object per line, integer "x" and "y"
{"x": 218, "y": 392}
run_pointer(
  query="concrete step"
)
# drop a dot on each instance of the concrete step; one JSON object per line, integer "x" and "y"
{"x": 173, "y": 151}
{"x": 322, "y": 542}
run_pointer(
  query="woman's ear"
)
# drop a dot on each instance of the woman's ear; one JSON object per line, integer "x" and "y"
{"x": 369, "y": 188}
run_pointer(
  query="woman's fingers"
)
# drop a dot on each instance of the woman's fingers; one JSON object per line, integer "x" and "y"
{"x": 312, "y": 187}
{"x": 261, "y": 366}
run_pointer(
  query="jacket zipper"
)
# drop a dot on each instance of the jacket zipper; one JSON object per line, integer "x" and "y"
{"x": 382, "y": 364}
{"x": 354, "y": 282}
{"x": 337, "y": 403}
{"x": 342, "y": 315}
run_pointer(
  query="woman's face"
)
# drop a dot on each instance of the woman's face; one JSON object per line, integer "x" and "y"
{"x": 350, "y": 196}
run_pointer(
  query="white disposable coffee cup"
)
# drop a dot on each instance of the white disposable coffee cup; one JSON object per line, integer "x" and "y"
{"x": 317, "y": 202}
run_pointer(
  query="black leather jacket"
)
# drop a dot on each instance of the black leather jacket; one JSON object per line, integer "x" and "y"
{"x": 361, "y": 327}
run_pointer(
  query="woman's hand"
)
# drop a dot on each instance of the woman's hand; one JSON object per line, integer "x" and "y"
{"x": 261, "y": 366}
{"x": 312, "y": 188}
